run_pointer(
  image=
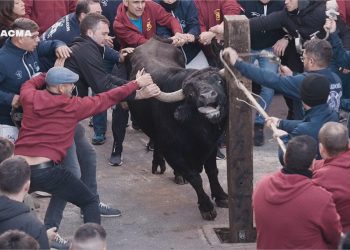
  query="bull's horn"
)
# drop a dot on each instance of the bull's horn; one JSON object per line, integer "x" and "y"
{"x": 171, "y": 97}
{"x": 222, "y": 72}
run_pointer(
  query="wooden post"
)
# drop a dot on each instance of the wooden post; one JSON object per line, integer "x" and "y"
{"x": 240, "y": 147}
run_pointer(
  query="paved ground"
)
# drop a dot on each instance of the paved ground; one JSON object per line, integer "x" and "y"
{"x": 157, "y": 214}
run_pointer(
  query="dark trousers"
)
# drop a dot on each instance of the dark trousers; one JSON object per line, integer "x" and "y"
{"x": 60, "y": 182}
{"x": 120, "y": 119}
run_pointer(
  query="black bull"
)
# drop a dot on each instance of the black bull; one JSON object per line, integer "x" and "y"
{"x": 185, "y": 132}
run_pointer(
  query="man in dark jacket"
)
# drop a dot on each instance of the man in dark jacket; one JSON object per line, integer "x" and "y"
{"x": 314, "y": 92}
{"x": 317, "y": 56}
{"x": 14, "y": 214}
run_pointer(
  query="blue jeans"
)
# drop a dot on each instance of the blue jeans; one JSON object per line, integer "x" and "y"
{"x": 61, "y": 183}
{"x": 100, "y": 120}
{"x": 266, "y": 93}
{"x": 120, "y": 119}
{"x": 81, "y": 162}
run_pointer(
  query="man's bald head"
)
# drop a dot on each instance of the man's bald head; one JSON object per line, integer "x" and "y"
{"x": 333, "y": 137}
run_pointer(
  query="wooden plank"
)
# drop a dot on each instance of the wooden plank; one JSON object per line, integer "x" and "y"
{"x": 240, "y": 147}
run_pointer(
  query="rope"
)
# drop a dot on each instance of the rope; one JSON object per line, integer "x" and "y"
{"x": 252, "y": 100}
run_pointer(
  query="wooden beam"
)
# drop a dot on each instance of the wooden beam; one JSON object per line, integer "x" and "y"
{"x": 240, "y": 147}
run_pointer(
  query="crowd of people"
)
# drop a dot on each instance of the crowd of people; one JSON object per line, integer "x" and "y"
{"x": 71, "y": 67}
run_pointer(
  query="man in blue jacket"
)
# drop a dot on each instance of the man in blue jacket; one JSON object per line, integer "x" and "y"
{"x": 186, "y": 12}
{"x": 316, "y": 58}
{"x": 19, "y": 61}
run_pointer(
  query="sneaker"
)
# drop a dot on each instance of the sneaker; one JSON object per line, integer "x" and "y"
{"x": 258, "y": 134}
{"x": 220, "y": 155}
{"x": 59, "y": 243}
{"x": 115, "y": 160}
{"x": 150, "y": 145}
{"x": 107, "y": 211}
{"x": 98, "y": 139}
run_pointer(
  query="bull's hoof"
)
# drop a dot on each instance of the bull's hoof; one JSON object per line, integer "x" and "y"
{"x": 155, "y": 169}
{"x": 180, "y": 180}
{"x": 222, "y": 203}
{"x": 211, "y": 215}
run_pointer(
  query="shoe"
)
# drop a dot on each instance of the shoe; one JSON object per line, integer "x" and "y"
{"x": 258, "y": 134}
{"x": 150, "y": 145}
{"x": 59, "y": 243}
{"x": 220, "y": 155}
{"x": 115, "y": 160}
{"x": 107, "y": 211}
{"x": 98, "y": 139}
{"x": 91, "y": 124}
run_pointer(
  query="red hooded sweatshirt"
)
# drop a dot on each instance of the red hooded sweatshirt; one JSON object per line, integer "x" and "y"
{"x": 153, "y": 14}
{"x": 334, "y": 175}
{"x": 211, "y": 12}
{"x": 293, "y": 213}
{"x": 49, "y": 121}
{"x": 46, "y": 13}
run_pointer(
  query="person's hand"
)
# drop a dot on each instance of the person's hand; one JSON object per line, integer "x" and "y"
{"x": 59, "y": 62}
{"x": 147, "y": 92}
{"x": 218, "y": 30}
{"x": 280, "y": 46}
{"x": 330, "y": 25}
{"x": 109, "y": 41}
{"x": 124, "y": 52}
{"x": 179, "y": 39}
{"x": 206, "y": 37}
{"x": 189, "y": 38}
{"x": 144, "y": 80}
{"x": 231, "y": 54}
{"x": 51, "y": 233}
{"x": 272, "y": 120}
{"x": 63, "y": 52}
{"x": 15, "y": 101}
{"x": 286, "y": 71}
{"x": 279, "y": 133}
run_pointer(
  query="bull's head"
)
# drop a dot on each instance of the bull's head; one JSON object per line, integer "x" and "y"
{"x": 205, "y": 92}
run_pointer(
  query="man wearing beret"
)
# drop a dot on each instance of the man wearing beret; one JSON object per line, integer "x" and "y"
{"x": 49, "y": 120}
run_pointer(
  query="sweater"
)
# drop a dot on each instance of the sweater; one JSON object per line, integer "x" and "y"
{"x": 49, "y": 121}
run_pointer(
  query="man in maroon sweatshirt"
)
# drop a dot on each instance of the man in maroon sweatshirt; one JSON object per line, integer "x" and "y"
{"x": 50, "y": 117}
{"x": 333, "y": 172}
{"x": 291, "y": 212}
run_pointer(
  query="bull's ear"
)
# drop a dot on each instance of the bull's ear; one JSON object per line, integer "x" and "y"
{"x": 182, "y": 113}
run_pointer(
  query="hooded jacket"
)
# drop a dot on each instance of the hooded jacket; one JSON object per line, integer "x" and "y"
{"x": 16, "y": 215}
{"x": 293, "y": 213}
{"x": 334, "y": 175}
{"x": 49, "y": 121}
{"x": 153, "y": 14}
{"x": 46, "y": 13}
{"x": 16, "y": 67}
{"x": 211, "y": 12}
